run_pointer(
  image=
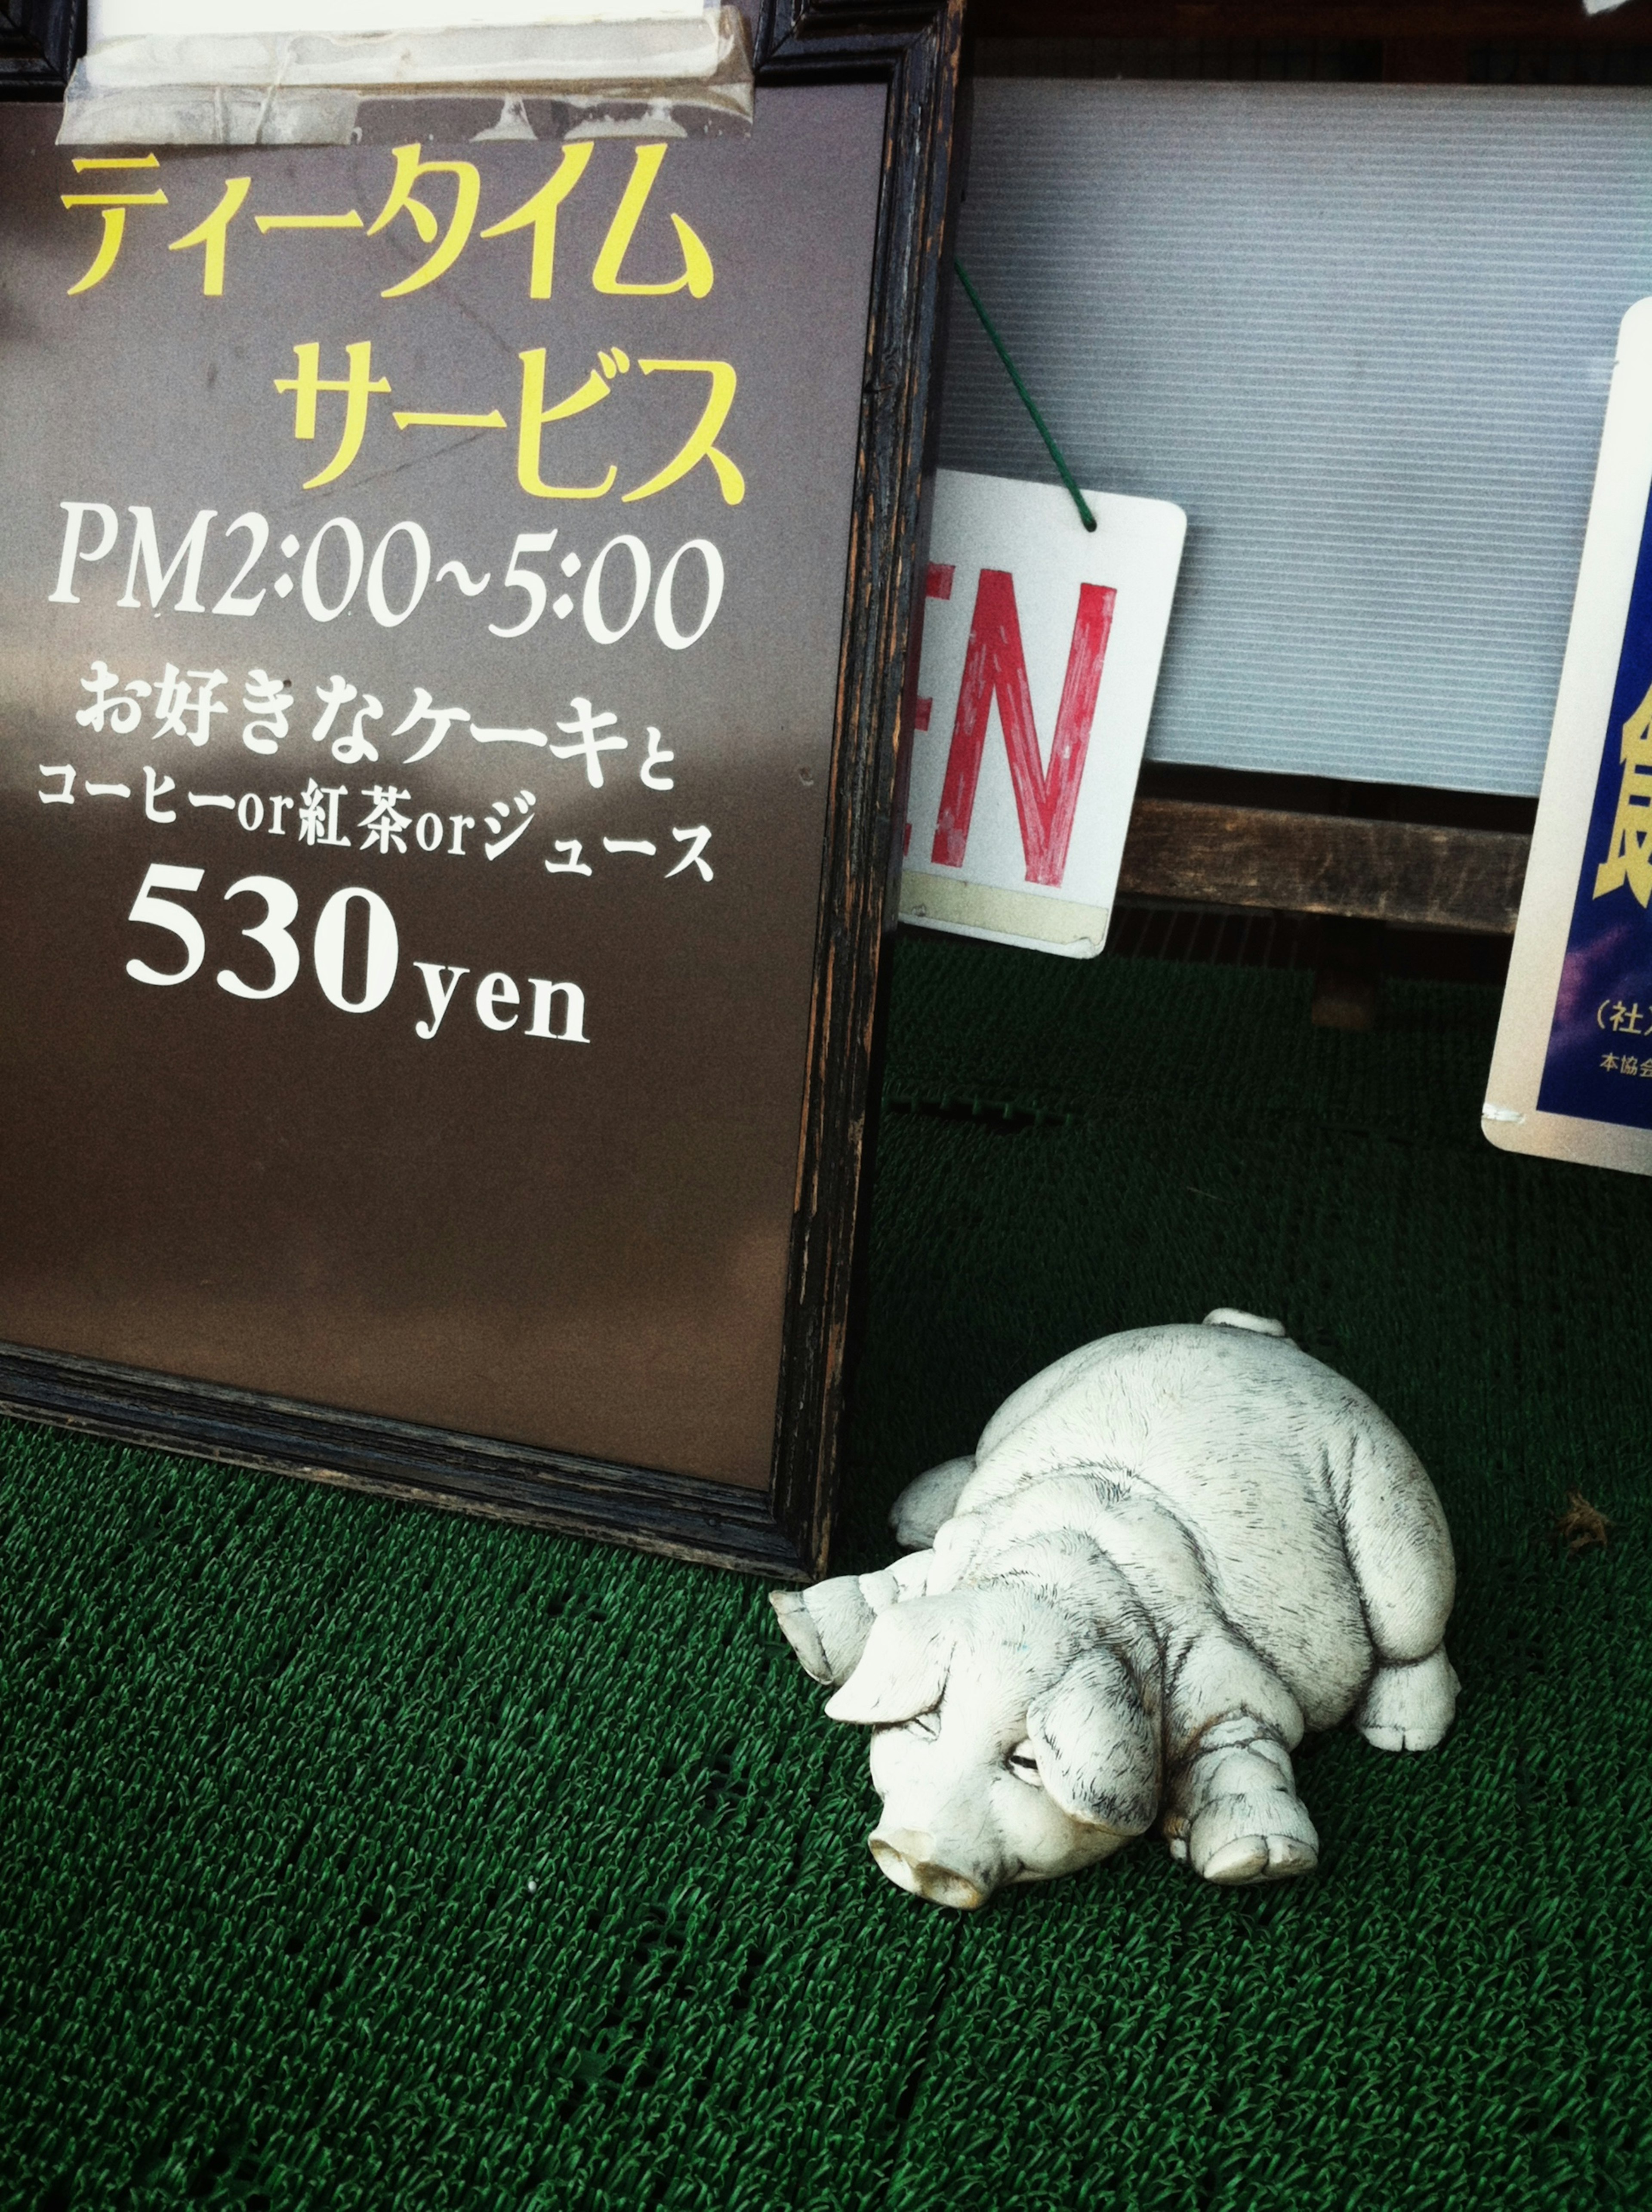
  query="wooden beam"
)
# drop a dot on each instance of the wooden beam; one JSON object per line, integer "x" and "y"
{"x": 1469, "y": 21}
{"x": 1426, "y": 61}
{"x": 1409, "y": 873}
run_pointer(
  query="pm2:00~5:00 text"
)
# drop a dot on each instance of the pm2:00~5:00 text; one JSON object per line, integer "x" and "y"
{"x": 398, "y": 574}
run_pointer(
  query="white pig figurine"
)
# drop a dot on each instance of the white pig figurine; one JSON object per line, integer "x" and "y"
{"x": 1172, "y": 1552}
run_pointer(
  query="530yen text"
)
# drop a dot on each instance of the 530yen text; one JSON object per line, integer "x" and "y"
{"x": 355, "y": 955}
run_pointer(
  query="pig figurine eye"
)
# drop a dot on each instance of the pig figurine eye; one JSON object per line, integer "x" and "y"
{"x": 926, "y": 1725}
{"x": 1023, "y": 1763}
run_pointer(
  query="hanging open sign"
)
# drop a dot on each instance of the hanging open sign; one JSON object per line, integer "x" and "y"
{"x": 1038, "y": 658}
{"x": 452, "y": 611}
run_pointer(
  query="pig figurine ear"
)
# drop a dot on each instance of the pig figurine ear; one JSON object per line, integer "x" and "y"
{"x": 827, "y": 1627}
{"x": 904, "y": 1667}
{"x": 1097, "y": 1748}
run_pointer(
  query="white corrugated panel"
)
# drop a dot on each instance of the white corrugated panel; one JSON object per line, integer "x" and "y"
{"x": 1363, "y": 334}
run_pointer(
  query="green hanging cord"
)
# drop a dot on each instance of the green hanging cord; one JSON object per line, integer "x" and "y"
{"x": 1027, "y": 401}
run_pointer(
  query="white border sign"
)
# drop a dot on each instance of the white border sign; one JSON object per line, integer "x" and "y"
{"x": 1037, "y": 653}
{"x": 1571, "y": 1074}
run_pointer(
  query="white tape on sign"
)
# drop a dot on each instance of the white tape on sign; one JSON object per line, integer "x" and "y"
{"x": 182, "y": 19}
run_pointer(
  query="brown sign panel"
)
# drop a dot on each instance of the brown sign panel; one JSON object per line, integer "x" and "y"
{"x": 449, "y": 619}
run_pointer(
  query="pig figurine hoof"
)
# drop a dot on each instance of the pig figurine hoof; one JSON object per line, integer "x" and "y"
{"x": 1170, "y": 1554}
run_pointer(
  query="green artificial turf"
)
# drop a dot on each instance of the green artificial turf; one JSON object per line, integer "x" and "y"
{"x": 353, "y": 1855}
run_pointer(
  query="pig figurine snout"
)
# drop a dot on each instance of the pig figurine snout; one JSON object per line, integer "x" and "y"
{"x": 913, "y": 1859}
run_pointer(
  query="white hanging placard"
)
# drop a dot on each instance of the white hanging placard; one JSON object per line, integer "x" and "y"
{"x": 1038, "y": 652}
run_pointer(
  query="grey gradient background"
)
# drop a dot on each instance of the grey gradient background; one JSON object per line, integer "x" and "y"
{"x": 1362, "y": 334}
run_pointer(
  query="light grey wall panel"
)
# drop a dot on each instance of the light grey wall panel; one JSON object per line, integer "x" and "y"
{"x": 1363, "y": 334}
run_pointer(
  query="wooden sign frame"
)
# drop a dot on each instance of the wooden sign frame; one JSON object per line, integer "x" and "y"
{"x": 38, "y": 41}
{"x": 911, "y": 48}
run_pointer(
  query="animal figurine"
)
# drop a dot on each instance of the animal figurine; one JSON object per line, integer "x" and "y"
{"x": 1172, "y": 1552}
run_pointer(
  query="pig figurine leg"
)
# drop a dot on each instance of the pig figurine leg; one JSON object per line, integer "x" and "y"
{"x": 1237, "y": 1816}
{"x": 1410, "y": 1708}
{"x": 1400, "y": 1552}
{"x": 1231, "y": 1809}
{"x": 919, "y": 1513}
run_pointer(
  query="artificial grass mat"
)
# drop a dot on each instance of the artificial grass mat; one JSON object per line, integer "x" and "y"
{"x": 354, "y": 1854}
